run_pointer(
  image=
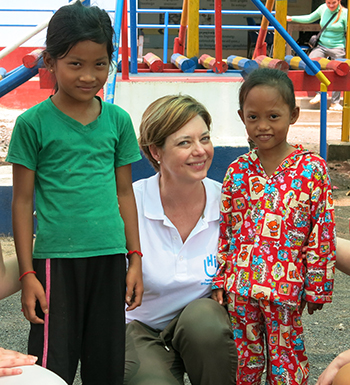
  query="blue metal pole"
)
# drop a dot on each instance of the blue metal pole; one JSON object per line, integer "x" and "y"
{"x": 117, "y": 26}
{"x": 18, "y": 77}
{"x": 166, "y": 35}
{"x": 310, "y": 64}
{"x": 272, "y": 20}
{"x": 323, "y": 126}
{"x": 133, "y": 37}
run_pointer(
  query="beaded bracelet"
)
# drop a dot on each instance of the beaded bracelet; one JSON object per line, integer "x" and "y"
{"x": 135, "y": 252}
{"x": 27, "y": 272}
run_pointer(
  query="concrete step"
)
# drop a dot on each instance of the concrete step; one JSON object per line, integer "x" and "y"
{"x": 310, "y": 114}
{"x": 303, "y": 103}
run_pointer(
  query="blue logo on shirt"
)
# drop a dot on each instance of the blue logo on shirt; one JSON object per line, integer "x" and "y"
{"x": 210, "y": 265}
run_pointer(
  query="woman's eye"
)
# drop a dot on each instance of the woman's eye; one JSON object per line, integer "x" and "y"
{"x": 183, "y": 143}
{"x": 206, "y": 139}
{"x": 101, "y": 64}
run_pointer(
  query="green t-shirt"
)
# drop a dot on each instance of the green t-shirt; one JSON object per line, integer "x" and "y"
{"x": 334, "y": 35}
{"x": 75, "y": 188}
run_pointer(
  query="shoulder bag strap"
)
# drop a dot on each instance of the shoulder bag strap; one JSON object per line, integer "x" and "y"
{"x": 325, "y": 26}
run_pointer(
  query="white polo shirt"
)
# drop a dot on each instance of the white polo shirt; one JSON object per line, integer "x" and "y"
{"x": 174, "y": 273}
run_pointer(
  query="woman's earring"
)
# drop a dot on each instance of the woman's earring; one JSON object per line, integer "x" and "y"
{"x": 158, "y": 161}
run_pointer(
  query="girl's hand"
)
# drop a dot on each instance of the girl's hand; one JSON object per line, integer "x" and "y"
{"x": 289, "y": 18}
{"x": 32, "y": 291}
{"x": 218, "y": 296}
{"x": 9, "y": 359}
{"x": 134, "y": 283}
{"x": 311, "y": 307}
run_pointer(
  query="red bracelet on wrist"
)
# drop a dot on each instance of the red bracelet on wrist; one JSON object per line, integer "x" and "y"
{"x": 135, "y": 252}
{"x": 27, "y": 272}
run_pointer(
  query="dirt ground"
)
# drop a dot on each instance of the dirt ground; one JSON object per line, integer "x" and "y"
{"x": 327, "y": 332}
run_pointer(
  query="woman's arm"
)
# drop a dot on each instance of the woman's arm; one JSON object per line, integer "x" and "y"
{"x": 327, "y": 377}
{"x": 128, "y": 211}
{"x": 342, "y": 262}
{"x": 9, "y": 274}
{"x": 312, "y": 17}
{"x": 22, "y": 220}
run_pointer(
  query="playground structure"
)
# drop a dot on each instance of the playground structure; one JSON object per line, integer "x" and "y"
{"x": 212, "y": 80}
{"x": 329, "y": 75}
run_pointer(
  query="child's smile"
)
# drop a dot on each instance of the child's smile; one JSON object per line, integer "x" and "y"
{"x": 267, "y": 118}
{"x": 82, "y": 72}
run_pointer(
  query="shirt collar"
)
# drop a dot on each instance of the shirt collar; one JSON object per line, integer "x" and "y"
{"x": 152, "y": 203}
{"x": 287, "y": 162}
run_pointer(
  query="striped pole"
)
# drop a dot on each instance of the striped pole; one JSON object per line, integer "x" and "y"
{"x": 183, "y": 63}
{"x": 30, "y": 60}
{"x": 154, "y": 62}
{"x": 208, "y": 62}
{"x": 242, "y": 64}
{"x": 267, "y": 62}
{"x": 295, "y": 63}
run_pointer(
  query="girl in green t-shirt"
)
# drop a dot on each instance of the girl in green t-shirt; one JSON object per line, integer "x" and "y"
{"x": 75, "y": 152}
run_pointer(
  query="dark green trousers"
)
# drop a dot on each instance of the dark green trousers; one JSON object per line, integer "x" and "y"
{"x": 199, "y": 341}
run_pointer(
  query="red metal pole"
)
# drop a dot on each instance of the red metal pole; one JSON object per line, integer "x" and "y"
{"x": 179, "y": 42}
{"x": 218, "y": 67}
{"x": 125, "y": 50}
{"x": 260, "y": 46}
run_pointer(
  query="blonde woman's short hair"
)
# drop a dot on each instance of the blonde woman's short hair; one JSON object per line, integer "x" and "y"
{"x": 165, "y": 116}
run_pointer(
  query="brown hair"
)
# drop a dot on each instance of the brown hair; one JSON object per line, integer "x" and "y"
{"x": 165, "y": 116}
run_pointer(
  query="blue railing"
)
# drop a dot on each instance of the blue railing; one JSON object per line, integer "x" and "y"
{"x": 166, "y": 26}
{"x": 24, "y": 10}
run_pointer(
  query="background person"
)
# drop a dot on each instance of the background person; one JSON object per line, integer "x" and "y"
{"x": 338, "y": 371}
{"x": 332, "y": 40}
{"x": 178, "y": 328}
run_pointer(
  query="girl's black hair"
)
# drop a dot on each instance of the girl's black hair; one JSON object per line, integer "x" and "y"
{"x": 74, "y": 23}
{"x": 272, "y": 78}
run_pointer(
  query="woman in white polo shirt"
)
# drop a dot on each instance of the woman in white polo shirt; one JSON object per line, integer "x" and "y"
{"x": 178, "y": 328}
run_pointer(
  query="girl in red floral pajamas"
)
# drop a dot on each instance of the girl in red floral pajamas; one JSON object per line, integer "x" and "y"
{"x": 274, "y": 199}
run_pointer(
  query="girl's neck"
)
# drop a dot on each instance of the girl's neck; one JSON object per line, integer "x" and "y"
{"x": 177, "y": 191}
{"x": 270, "y": 160}
{"x": 84, "y": 113}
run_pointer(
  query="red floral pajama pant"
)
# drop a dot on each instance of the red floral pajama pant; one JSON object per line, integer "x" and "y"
{"x": 256, "y": 321}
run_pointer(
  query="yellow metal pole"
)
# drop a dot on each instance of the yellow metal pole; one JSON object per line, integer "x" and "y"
{"x": 324, "y": 81}
{"x": 193, "y": 28}
{"x": 345, "y": 131}
{"x": 279, "y": 45}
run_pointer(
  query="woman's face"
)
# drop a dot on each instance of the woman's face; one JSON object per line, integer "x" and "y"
{"x": 332, "y": 4}
{"x": 187, "y": 154}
